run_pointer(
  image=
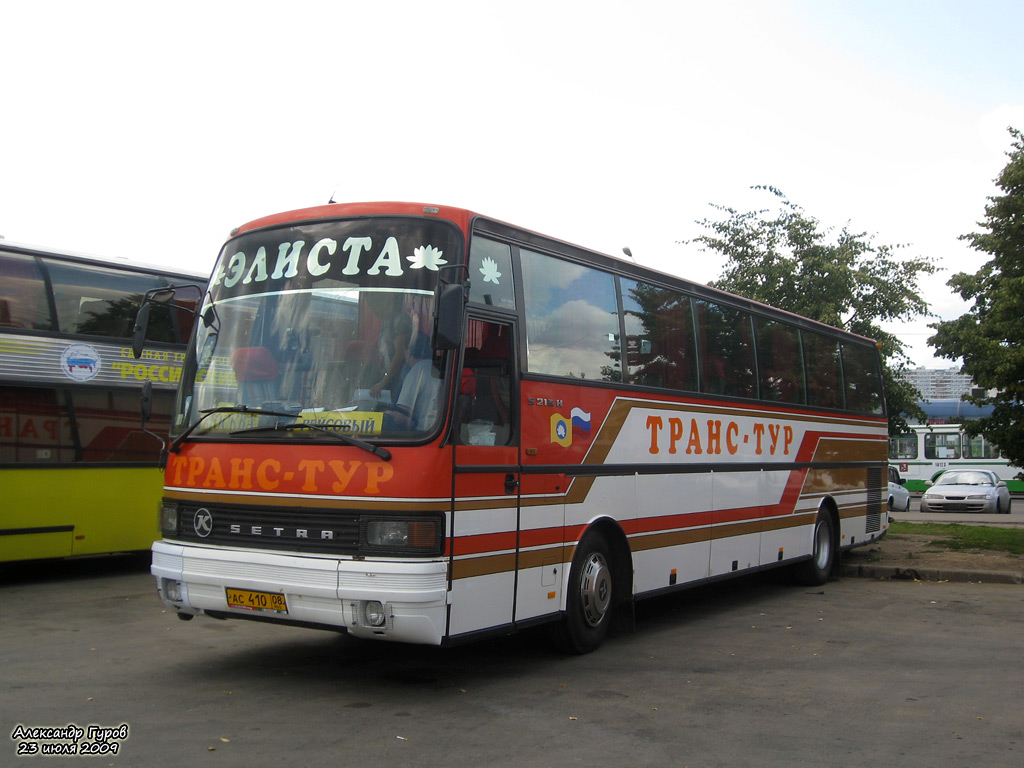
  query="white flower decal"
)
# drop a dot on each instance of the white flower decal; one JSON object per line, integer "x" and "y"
{"x": 489, "y": 269}
{"x": 426, "y": 257}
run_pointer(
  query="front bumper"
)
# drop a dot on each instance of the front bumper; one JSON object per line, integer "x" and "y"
{"x": 979, "y": 506}
{"x": 322, "y": 591}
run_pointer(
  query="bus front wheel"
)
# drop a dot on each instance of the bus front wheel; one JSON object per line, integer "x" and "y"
{"x": 815, "y": 571}
{"x": 588, "y": 609}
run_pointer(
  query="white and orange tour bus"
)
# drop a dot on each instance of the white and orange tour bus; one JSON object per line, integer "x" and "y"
{"x": 416, "y": 423}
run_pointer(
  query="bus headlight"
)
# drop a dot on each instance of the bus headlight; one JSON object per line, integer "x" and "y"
{"x": 387, "y": 533}
{"x": 169, "y": 518}
{"x": 420, "y": 536}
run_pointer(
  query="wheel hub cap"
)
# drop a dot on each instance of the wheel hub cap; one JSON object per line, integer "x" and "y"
{"x": 595, "y": 589}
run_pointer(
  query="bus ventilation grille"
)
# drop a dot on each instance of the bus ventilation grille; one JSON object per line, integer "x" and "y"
{"x": 874, "y": 516}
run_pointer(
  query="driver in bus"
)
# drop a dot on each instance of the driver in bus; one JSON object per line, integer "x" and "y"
{"x": 417, "y": 404}
{"x": 395, "y": 335}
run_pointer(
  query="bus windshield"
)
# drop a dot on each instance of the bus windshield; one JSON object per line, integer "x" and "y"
{"x": 323, "y": 325}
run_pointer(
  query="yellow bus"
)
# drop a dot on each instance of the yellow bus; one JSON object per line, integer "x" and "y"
{"x": 416, "y": 423}
{"x": 78, "y": 473}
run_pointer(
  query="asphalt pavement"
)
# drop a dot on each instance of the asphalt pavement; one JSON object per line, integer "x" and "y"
{"x": 749, "y": 672}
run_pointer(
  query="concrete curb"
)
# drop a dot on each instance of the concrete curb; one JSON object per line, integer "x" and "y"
{"x": 869, "y": 571}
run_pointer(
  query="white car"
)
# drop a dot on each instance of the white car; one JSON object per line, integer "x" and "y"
{"x": 974, "y": 490}
{"x": 899, "y": 496}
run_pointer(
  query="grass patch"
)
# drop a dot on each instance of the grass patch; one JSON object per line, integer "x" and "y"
{"x": 960, "y": 537}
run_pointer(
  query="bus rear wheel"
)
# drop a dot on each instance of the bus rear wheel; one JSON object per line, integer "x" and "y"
{"x": 588, "y": 609}
{"x": 815, "y": 571}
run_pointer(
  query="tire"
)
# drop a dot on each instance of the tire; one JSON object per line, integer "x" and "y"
{"x": 907, "y": 507}
{"x": 815, "y": 571}
{"x": 589, "y": 603}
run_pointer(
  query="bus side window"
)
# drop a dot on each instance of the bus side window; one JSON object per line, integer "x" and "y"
{"x": 903, "y": 447}
{"x": 485, "y": 410}
{"x": 725, "y": 341}
{"x": 572, "y": 326}
{"x": 779, "y": 361}
{"x": 23, "y": 302}
{"x": 862, "y": 380}
{"x": 659, "y": 337}
{"x": 490, "y": 274}
{"x": 942, "y": 446}
{"x": 103, "y": 302}
{"x": 824, "y": 375}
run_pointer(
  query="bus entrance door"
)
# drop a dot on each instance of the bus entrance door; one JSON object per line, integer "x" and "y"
{"x": 485, "y": 507}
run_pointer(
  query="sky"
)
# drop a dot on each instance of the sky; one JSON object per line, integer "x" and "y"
{"x": 148, "y": 131}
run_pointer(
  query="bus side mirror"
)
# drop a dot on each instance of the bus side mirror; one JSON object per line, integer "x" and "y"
{"x": 449, "y": 315}
{"x": 146, "y": 405}
{"x": 139, "y": 331}
{"x": 163, "y": 296}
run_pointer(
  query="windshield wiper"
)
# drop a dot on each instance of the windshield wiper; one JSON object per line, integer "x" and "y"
{"x": 175, "y": 446}
{"x": 376, "y": 450}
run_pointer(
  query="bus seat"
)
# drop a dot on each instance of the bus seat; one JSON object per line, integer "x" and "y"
{"x": 255, "y": 369}
{"x": 254, "y": 364}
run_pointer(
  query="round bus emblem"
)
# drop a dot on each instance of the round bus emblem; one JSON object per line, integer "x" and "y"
{"x": 202, "y": 523}
{"x": 80, "y": 362}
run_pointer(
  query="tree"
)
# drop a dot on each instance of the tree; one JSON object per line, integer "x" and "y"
{"x": 990, "y": 337}
{"x": 784, "y": 259}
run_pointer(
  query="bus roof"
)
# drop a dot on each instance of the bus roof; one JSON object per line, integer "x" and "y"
{"x": 100, "y": 261}
{"x": 957, "y": 409}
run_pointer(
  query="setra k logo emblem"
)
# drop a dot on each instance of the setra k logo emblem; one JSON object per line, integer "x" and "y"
{"x": 202, "y": 523}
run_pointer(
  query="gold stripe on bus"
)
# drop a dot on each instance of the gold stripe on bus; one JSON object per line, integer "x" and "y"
{"x": 608, "y": 433}
{"x": 728, "y": 530}
{"x": 490, "y": 564}
{"x": 535, "y": 558}
{"x": 717, "y": 533}
{"x": 506, "y": 562}
{"x": 668, "y": 539}
{"x": 789, "y": 521}
{"x": 483, "y": 566}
